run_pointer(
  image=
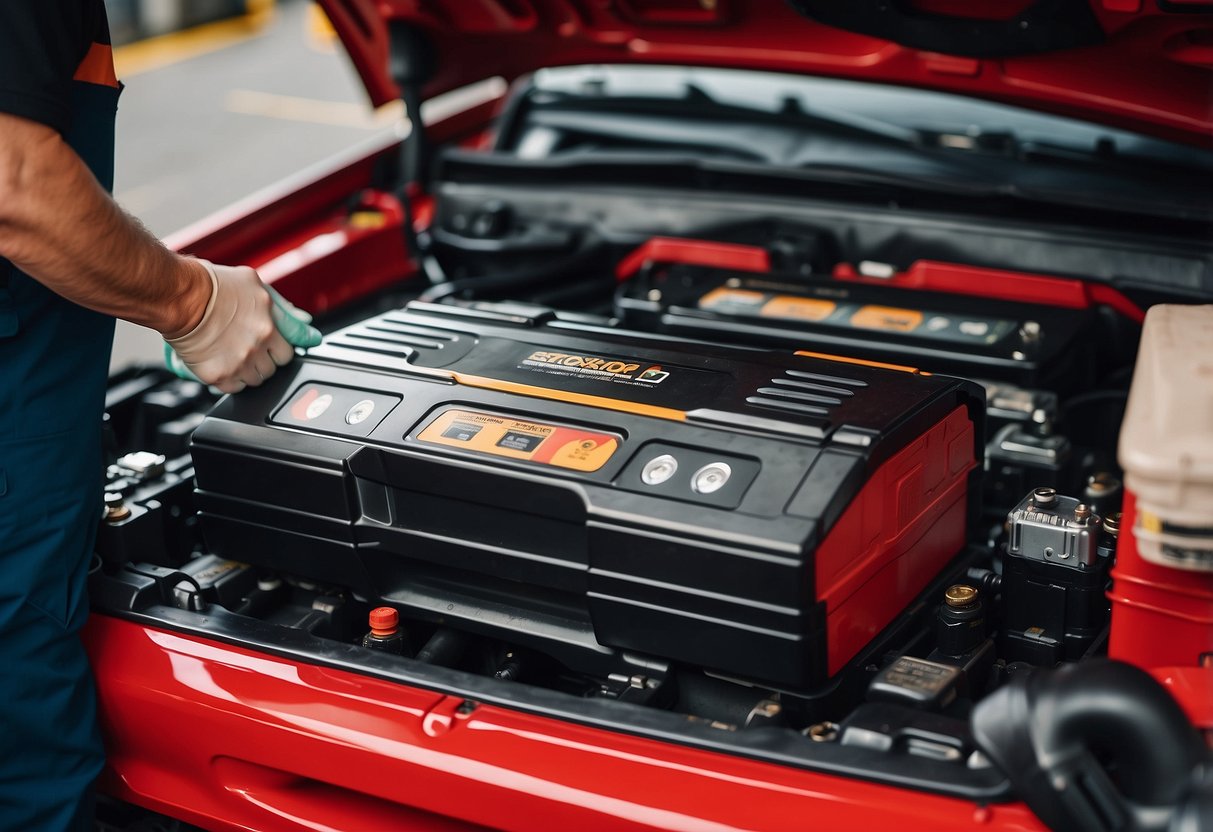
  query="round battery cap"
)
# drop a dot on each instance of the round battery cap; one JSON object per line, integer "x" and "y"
{"x": 358, "y": 413}
{"x": 658, "y": 469}
{"x": 318, "y": 405}
{"x": 711, "y": 477}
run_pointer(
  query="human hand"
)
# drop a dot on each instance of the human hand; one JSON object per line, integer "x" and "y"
{"x": 247, "y": 331}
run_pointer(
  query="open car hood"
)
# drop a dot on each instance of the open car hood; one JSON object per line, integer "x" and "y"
{"x": 1144, "y": 65}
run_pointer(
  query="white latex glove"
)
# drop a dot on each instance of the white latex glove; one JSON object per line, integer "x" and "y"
{"x": 238, "y": 343}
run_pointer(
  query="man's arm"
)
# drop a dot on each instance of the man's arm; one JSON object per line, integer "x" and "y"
{"x": 60, "y": 227}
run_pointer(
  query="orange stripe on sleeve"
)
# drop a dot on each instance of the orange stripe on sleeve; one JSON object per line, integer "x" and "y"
{"x": 98, "y": 66}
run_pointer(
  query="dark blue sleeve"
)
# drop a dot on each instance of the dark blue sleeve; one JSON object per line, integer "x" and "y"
{"x": 41, "y": 44}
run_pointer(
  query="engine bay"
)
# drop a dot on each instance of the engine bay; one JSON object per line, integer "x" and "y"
{"x": 801, "y": 477}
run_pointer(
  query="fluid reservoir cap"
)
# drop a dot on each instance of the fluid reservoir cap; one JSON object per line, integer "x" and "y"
{"x": 960, "y": 595}
{"x": 384, "y": 621}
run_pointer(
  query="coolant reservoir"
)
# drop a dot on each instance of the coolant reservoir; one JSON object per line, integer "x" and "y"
{"x": 1166, "y": 442}
{"x": 1162, "y": 584}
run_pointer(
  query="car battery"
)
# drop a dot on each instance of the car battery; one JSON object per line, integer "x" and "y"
{"x": 599, "y": 494}
{"x": 1025, "y": 344}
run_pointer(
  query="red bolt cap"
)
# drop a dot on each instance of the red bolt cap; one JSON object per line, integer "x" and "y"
{"x": 384, "y": 621}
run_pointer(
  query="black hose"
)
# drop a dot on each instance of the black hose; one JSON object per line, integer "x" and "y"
{"x": 1093, "y": 397}
{"x": 1057, "y": 735}
{"x": 590, "y": 249}
{"x": 444, "y": 648}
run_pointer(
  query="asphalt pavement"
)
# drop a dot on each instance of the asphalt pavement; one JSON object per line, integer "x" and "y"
{"x": 211, "y": 116}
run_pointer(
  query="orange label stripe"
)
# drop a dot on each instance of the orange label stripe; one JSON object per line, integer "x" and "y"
{"x": 845, "y": 360}
{"x": 575, "y": 398}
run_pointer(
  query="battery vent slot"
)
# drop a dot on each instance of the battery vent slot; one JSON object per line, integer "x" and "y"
{"x": 394, "y": 335}
{"x": 797, "y": 391}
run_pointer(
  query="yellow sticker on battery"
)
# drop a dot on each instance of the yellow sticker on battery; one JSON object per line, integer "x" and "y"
{"x": 887, "y": 318}
{"x": 795, "y": 308}
{"x": 731, "y": 297}
{"x": 488, "y": 433}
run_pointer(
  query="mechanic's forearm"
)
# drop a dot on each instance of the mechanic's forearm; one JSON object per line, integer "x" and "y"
{"x": 59, "y": 226}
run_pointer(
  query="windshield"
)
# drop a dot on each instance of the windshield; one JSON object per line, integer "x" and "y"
{"x": 936, "y": 140}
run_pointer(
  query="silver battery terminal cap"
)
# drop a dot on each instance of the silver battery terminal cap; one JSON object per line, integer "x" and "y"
{"x": 658, "y": 469}
{"x": 711, "y": 477}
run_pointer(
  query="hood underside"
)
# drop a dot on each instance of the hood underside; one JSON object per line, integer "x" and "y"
{"x": 1144, "y": 65}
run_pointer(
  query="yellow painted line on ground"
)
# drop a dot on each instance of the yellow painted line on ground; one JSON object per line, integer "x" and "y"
{"x": 312, "y": 110}
{"x": 321, "y": 36}
{"x": 165, "y": 50}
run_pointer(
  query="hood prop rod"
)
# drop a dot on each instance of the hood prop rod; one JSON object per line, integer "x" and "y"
{"x": 411, "y": 64}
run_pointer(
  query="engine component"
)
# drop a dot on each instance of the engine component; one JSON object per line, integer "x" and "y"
{"x": 1103, "y": 494}
{"x": 1019, "y": 457}
{"x": 978, "y": 338}
{"x": 142, "y": 465}
{"x": 916, "y": 682}
{"x": 385, "y": 633}
{"x": 1023, "y": 344}
{"x": 149, "y": 510}
{"x": 130, "y": 531}
{"x": 1008, "y": 404}
{"x": 896, "y": 729}
{"x": 596, "y": 495}
{"x": 1053, "y": 579}
{"x": 1053, "y": 732}
{"x": 222, "y": 582}
{"x": 1046, "y": 526}
{"x": 960, "y": 624}
{"x": 960, "y": 638}
{"x": 149, "y": 487}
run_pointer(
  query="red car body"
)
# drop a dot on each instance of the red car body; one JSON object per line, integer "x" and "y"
{"x": 230, "y": 738}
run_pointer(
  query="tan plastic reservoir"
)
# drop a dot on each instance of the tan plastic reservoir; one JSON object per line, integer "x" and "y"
{"x": 1166, "y": 442}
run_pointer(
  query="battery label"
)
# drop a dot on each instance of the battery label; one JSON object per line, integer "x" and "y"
{"x": 764, "y": 305}
{"x": 729, "y": 300}
{"x": 748, "y": 303}
{"x": 461, "y": 432}
{"x": 887, "y": 318}
{"x": 600, "y": 368}
{"x": 516, "y": 441}
{"x": 563, "y": 447}
{"x": 793, "y": 308}
{"x": 638, "y": 379}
